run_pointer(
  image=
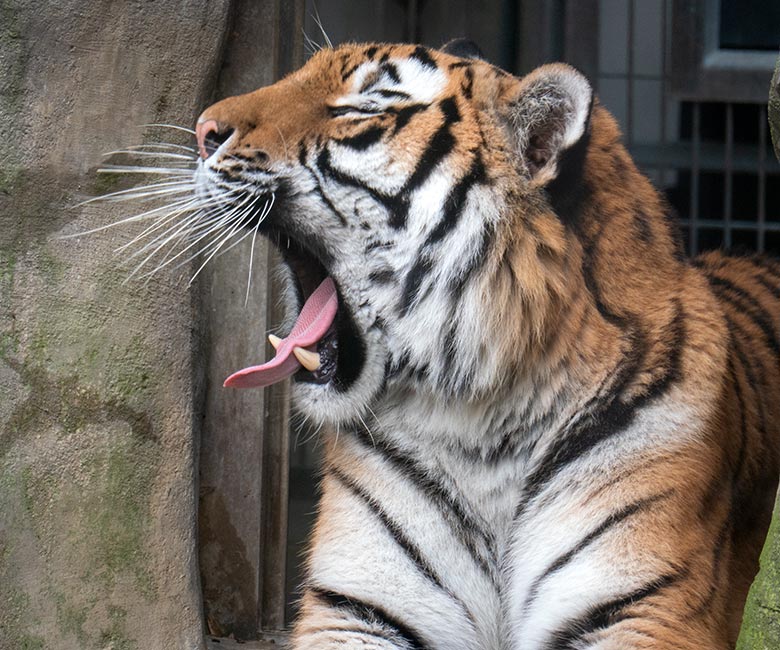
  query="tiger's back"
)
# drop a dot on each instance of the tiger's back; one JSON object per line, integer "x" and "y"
{"x": 748, "y": 291}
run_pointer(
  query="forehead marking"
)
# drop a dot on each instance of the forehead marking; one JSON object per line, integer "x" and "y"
{"x": 418, "y": 80}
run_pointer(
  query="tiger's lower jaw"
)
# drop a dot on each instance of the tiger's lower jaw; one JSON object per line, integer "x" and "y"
{"x": 351, "y": 370}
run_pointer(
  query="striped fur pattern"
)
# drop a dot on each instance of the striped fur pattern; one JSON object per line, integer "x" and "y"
{"x": 557, "y": 433}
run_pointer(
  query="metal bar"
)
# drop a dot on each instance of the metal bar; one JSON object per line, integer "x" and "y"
{"x": 581, "y": 38}
{"x": 753, "y": 226}
{"x": 664, "y": 84}
{"x": 761, "y": 221}
{"x": 694, "y": 203}
{"x": 728, "y": 175}
{"x": 630, "y": 77}
{"x": 412, "y": 17}
{"x": 638, "y": 76}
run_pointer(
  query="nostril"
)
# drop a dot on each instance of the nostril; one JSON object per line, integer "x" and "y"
{"x": 211, "y": 135}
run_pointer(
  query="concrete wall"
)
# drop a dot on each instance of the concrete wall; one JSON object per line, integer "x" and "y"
{"x": 97, "y": 393}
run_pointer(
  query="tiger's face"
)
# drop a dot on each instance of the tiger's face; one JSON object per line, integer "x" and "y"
{"x": 419, "y": 183}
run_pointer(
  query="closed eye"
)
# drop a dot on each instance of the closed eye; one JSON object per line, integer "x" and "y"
{"x": 371, "y": 109}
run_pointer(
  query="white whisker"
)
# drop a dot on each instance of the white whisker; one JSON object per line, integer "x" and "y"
{"x": 137, "y": 217}
{"x": 163, "y": 146}
{"x": 199, "y": 211}
{"x": 128, "y": 169}
{"x": 214, "y": 223}
{"x": 170, "y": 126}
{"x": 266, "y": 209}
{"x": 318, "y": 21}
{"x": 370, "y": 435}
{"x": 193, "y": 206}
{"x": 130, "y": 193}
{"x": 155, "y": 154}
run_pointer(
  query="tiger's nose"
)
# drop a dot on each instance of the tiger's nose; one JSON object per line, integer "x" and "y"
{"x": 210, "y": 135}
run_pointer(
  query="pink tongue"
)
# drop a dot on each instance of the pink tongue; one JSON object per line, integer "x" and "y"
{"x": 313, "y": 322}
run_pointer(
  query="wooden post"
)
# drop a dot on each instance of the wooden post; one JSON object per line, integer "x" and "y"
{"x": 244, "y": 450}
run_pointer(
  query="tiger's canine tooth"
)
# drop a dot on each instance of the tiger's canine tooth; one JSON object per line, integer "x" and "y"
{"x": 309, "y": 360}
{"x": 274, "y": 340}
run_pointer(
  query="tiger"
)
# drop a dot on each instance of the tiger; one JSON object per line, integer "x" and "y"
{"x": 544, "y": 426}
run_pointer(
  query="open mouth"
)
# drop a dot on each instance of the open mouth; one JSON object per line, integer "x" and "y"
{"x": 324, "y": 346}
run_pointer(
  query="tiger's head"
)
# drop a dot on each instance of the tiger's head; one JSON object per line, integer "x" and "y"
{"x": 437, "y": 192}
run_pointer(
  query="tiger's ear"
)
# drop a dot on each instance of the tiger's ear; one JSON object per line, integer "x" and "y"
{"x": 462, "y": 47}
{"x": 549, "y": 116}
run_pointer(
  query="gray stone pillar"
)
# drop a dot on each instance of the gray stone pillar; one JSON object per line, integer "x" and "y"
{"x": 97, "y": 394}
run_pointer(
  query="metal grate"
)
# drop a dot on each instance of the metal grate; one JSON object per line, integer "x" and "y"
{"x": 726, "y": 197}
{"x": 711, "y": 158}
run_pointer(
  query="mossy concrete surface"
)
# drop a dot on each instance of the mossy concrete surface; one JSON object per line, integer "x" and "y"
{"x": 761, "y": 623}
{"x": 97, "y": 406}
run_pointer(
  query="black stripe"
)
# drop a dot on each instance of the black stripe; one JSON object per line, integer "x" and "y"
{"x": 449, "y": 347}
{"x": 440, "y": 145}
{"x": 468, "y": 85}
{"x": 643, "y": 227}
{"x": 756, "y": 379}
{"x": 362, "y": 140}
{"x": 458, "y": 283}
{"x": 325, "y": 166}
{"x": 391, "y": 71}
{"x": 343, "y": 633}
{"x": 610, "y": 416}
{"x": 379, "y": 243}
{"x": 405, "y": 114}
{"x": 774, "y": 289}
{"x": 346, "y": 74}
{"x": 413, "y": 283}
{"x": 370, "y": 52}
{"x": 589, "y": 276}
{"x": 464, "y": 526}
{"x": 609, "y": 522}
{"x": 393, "y": 94}
{"x": 455, "y": 202}
{"x": 372, "y": 614}
{"x": 746, "y": 304}
{"x": 423, "y": 56}
{"x": 449, "y": 107}
{"x": 383, "y": 276}
{"x": 325, "y": 199}
{"x": 412, "y": 551}
{"x": 606, "y": 614}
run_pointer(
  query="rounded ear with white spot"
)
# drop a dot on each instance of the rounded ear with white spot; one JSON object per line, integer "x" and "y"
{"x": 549, "y": 114}
{"x": 462, "y": 47}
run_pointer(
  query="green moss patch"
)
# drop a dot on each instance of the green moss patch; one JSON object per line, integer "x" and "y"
{"x": 761, "y": 622}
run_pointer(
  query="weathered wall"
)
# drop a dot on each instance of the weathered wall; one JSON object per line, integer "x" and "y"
{"x": 97, "y": 398}
{"x": 761, "y": 624}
